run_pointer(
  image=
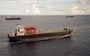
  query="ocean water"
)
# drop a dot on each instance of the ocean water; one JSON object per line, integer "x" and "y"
{"x": 77, "y": 45}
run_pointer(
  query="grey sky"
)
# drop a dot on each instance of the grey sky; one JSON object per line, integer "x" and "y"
{"x": 44, "y": 7}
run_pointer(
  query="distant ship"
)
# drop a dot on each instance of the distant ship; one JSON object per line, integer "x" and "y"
{"x": 13, "y": 18}
{"x": 25, "y": 34}
{"x": 69, "y": 16}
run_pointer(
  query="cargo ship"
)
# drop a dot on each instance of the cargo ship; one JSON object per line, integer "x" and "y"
{"x": 69, "y": 16}
{"x": 13, "y": 18}
{"x": 26, "y": 34}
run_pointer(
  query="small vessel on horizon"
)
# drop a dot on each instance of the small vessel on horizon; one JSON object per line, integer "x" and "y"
{"x": 25, "y": 34}
{"x": 13, "y": 18}
{"x": 69, "y": 16}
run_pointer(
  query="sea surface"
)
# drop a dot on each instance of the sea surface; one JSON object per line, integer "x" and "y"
{"x": 77, "y": 45}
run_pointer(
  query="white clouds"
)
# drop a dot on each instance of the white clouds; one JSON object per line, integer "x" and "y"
{"x": 43, "y": 7}
{"x": 27, "y": 1}
{"x": 27, "y": 11}
{"x": 47, "y": 1}
{"x": 35, "y": 9}
{"x": 76, "y": 10}
{"x": 55, "y": 12}
{"x": 84, "y": 4}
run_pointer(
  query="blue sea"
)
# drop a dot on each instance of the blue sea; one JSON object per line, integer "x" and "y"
{"x": 77, "y": 45}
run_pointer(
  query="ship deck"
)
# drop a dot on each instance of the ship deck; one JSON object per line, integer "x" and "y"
{"x": 50, "y": 31}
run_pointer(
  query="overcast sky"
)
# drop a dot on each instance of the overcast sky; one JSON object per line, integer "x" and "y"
{"x": 44, "y": 7}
